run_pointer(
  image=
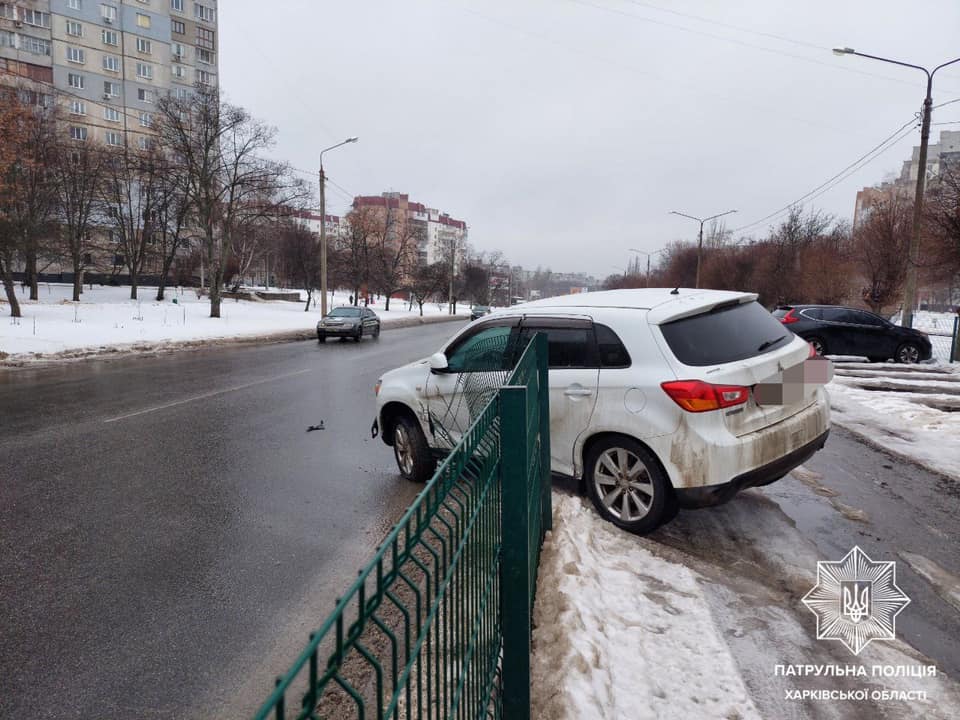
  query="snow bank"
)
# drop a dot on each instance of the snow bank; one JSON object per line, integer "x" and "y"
{"x": 106, "y": 319}
{"x": 621, "y": 633}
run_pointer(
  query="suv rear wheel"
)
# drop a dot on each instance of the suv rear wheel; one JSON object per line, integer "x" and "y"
{"x": 410, "y": 450}
{"x": 627, "y": 486}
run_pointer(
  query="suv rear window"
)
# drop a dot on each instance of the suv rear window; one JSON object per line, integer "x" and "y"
{"x": 726, "y": 334}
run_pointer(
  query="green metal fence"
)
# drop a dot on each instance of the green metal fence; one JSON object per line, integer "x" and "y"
{"x": 437, "y": 625}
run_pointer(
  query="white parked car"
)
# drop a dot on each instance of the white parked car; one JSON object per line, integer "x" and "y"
{"x": 659, "y": 398}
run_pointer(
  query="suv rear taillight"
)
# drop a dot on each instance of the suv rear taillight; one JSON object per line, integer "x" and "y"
{"x": 697, "y": 396}
{"x": 790, "y": 317}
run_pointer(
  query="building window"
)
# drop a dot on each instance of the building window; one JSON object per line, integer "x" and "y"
{"x": 111, "y": 63}
{"x": 205, "y": 56}
{"x": 143, "y": 143}
{"x": 143, "y": 20}
{"x": 78, "y": 107}
{"x": 75, "y": 81}
{"x": 146, "y": 119}
{"x": 109, "y": 37}
{"x": 76, "y": 55}
{"x": 78, "y": 133}
{"x": 202, "y": 12}
{"x": 111, "y": 114}
{"x": 74, "y": 4}
{"x": 178, "y": 27}
{"x": 109, "y": 13}
{"x": 182, "y": 93}
{"x": 178, "y": 51}
{"x": 113, "y": 138}
{"x": 111, "y": 89}
{"x": 34, "y": 17}
{"x": 144, "y": 46}
{"x": 176, "y": 5}
{"x": 178, "y": 71}
{"x": 203, "y": 77}
{"x": 144, "y": 95}
{"x": 144, "y": 71}
{"x": 8, "y": 39}
{"x": 74, "y": 28}
{"x": 30, "y": 44}
{"x": 205, "y": 38}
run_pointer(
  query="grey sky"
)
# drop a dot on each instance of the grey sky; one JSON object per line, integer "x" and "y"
{"x": 563, "y": 131}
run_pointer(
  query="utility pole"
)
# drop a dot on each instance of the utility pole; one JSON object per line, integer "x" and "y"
{"x": 913, "y": 249}
{"x": 323, "y": 227}
{"x": 648, "y": 254}
{"x": 700, "y": 236}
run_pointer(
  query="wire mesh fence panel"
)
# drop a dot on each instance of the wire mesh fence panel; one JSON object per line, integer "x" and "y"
{"x": 420, "y": 632}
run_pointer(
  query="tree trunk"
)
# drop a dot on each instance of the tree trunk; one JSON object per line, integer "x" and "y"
{"x": 32, "y": 275}
{"x": 309, "y": 298}
{"x": 420, "y": 303}
{"x": 133, "y": 285}
{"x": 77, "y": 278}
{"x": 10, "y": 289}
{"x": 386, "y": 308}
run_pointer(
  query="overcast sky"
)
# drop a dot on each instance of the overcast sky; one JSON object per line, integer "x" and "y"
{"x": 564, "y": 131}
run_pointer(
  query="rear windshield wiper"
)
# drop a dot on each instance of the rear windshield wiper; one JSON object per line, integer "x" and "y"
{"x": 770, "y": 343}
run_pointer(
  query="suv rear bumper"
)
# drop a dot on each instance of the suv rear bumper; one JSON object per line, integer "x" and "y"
{"x": 707, "y": 495}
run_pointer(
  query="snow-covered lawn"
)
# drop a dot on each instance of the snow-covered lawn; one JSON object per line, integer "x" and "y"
{"x": 106, "y": 318}
{"x": 913, "y": 411}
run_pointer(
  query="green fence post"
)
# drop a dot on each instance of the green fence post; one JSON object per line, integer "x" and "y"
{"x": 515, "y": 568}
{"x": 546, "y": 484}
{"x": 955, "y": 341}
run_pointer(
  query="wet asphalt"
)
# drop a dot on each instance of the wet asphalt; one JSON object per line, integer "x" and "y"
{"x": 169, "y": 530}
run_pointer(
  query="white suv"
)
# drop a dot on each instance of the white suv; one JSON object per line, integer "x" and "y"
{"x": 659, "y": 398}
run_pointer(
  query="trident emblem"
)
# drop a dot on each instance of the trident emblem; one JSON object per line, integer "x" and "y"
{"x": 855, "y": 599}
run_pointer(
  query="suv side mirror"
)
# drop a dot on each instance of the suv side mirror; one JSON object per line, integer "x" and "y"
{"x": 438, "y": 363}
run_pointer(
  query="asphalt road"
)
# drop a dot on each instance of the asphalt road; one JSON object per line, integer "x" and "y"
{"x": 170, "y": 530}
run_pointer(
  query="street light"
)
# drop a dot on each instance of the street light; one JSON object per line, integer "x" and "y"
{"x": 913, "y": 249}
{"x": 323, "y": 227}
{"x": 700, "y": 240}
{"x": 648, "y": 254}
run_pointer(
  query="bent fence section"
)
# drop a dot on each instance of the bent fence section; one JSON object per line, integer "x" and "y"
{"x": 437, "y": 625}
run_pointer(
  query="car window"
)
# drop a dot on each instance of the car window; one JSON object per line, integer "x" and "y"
{"x": 834, "y": 314}
{"x": 345, "y": 312}
{"x": 781, "y": 312}
{"x": 482, "y": 351}
{"x": 567, "y": 347}
{"x": 813, "y": 313}
{"x": 612, "y": 352}
{"x": 865, "y": 318}
{"x": 726, "y": 334}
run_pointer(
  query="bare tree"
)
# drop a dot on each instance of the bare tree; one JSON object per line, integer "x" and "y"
{"x": 216, "y": 148}
{"x": 424, "y": 281}
{"x": 353, "y": 249}
{"x": 880, "y": 245}
{"x": 300, "y": 257}
{"x": 77, "y": 171}
{"x": 393, "y": 241}
{"x": 173, "y": 213}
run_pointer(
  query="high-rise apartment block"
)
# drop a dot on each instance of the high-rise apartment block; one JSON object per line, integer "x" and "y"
{"x": 109, "y": 61}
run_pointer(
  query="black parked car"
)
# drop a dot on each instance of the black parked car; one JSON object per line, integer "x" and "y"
{"x": 478, "y": 311}
{"x": 834, "y": 330}
{"x": 349, "y": 321}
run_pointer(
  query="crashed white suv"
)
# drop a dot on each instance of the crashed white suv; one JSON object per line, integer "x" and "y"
{"x": 659, "y": 398}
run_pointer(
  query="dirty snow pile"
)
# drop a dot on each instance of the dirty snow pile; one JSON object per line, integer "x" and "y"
{"x": 621, "y": 633}
{"x": 106, "y": 318}
{"x": 913, "y": 411}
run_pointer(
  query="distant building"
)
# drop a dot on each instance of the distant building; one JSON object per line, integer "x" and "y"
{"x": 310, "y": 219}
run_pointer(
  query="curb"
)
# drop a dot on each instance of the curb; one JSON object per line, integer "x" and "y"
{"x": 161, "y": 347}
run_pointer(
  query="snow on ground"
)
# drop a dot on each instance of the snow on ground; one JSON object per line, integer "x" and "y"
{"x": 913, "y": 411}
{"x": 106, "y": 317}
{"x": 621, "y": 633}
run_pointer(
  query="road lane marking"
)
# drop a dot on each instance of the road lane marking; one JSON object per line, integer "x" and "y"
{"x": 205, "y": 395}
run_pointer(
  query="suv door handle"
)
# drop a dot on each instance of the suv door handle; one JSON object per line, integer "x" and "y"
{"x": 577, "y": 392}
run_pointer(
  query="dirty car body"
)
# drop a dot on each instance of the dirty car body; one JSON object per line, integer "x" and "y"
{"x": 659, "y": 399}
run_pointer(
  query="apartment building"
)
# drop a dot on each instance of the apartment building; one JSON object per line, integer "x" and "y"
{"x": 440, "y": 233}
{"x": 110, "y": 61}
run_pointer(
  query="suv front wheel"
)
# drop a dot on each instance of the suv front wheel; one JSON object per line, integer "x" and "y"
{"x": 410, "y": 450}
{"x": 627, "y": 486}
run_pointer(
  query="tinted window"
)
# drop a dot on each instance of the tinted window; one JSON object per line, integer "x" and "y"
{"x": 568, "y": 347}
{"x": 833, "y": 314}
{"x": 813, "y": 313}
{"x": 344, "y": 312}
{"x": 865, "y": 318}
{"x": 781, "y": 312}
{"x": 612, "y": 352}
{"x": 733, "y": 332}
{"x": 482, "y": 351}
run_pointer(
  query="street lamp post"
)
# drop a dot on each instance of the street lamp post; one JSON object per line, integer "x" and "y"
{"x": 700, "y": 237}
{"x": 913, "y": 249}
{"x": 648, "y": 254}
{"x": 323, "y": 227}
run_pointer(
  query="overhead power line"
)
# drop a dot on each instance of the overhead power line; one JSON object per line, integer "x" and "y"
{"x": 898, "y": 135}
